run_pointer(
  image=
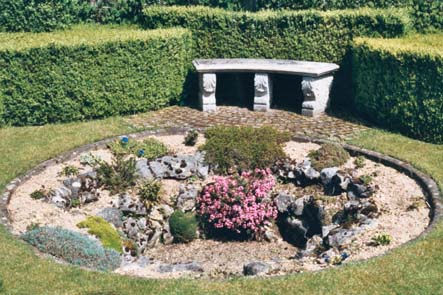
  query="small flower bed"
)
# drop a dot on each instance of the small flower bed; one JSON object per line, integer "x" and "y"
{"x": 240, "y": 204}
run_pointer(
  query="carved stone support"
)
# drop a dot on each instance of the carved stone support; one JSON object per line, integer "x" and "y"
{"x": 208, "y": 84}
{"x": 316, "y": 95}
{"x": 263, "y": 92}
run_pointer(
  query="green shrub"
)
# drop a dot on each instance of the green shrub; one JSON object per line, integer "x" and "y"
{"x": 396, "y": 84}
{"x": 381, "y": 240}
{"x": 41, "y": 193}
{"x": 118, "y": 176}
{"x": 69, "y": 170}
{"x": 104, "y": 231}
{"x": 152, "y": 149}
{"x": 149, "y": 192}
{"x": 90, "y": 72}
{"x": 328, "y": 155}
{"x": 183, "y": 226}
{"x": 243, "y": 148}
{"x": 90, "y": 159}
{"x": 191, "y": 138}
{"x": 360, "y": 162}
{"x": 38, "y": 194}
{"x": 297, "y": 35}
{"x": 73, "y": 247}
{"x": 38, "y": 15}
{"x": 149, "y": 148}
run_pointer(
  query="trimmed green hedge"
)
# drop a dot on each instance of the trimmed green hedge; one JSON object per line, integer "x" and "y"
{"x": 428, "y": 15}
{"x": 38, "y": 15}
{"x": 254, "y": 5}
{"x": 90, "y": 72}
{"x": 399, "y": 84}
{"x": 309, "y": 35}
{"x": 298, "y": 35}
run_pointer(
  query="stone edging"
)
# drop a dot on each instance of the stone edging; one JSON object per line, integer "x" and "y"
{"x": 428, "y": 185}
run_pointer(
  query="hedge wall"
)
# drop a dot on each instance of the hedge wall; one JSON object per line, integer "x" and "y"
{"x": 302, "y": 35}
{"x": 399, "y": 84}
{"x": 428, "y": 15}
{"x": 90, "y": 72}
{"x": 38, "y": 15}
{"x": 254, "y": 5}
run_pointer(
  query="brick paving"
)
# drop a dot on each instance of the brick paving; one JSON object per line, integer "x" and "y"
{"x": 323, "y": 127}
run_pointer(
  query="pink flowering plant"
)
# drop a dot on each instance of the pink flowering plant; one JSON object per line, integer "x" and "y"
{"x": 239, "y": 204}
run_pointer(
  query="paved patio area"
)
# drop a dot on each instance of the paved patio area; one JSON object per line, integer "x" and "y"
{"x": 325, "y": 126}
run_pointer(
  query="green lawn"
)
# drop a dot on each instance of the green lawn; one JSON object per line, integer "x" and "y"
{"x": 416, "y": 268}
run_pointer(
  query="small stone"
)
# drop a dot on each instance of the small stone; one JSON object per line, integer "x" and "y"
{"x": 256, "y": 268}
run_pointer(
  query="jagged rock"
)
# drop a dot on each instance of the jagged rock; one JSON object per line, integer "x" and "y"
{"x": 327, "y": 256}
{"x": 88, "y": 197}
{"x": 256, "y": 268}
{"x": 303, "y": 220}
{"x": 136, "y": 263}
{"x": 313, "y": 244}
{"x": 352, "y": 207}
{"x": 142, "y": 169}
{"x": 327, "y": 229}
{"x": 270, "y": 234}
{"x": 293, "y": 231}
{"x": 356, "y": 191}
{"x": 305, "y": 174}
{"x": 129, "y": 206}
{"x": 180, "y": 267}
{"x": 176, "y": 167}
{"x": 142, "y": 224}
{"x": 341, "y": 237}
{"x": 283, "y": 201}
{"x": 154, "y": 240}
{"x": 333, "y": 182}
{"x": 60, "y": 197}
{"x": 166, "y": 210}
{"x": 285, "y": 169}
{"x": 130, "y": 227}
{"x": 155, "y": 214}
{"x": 168, "y": 238}
{"x": 186, "y": 197}
{"x": 369, "y": 209}
{"x": 111, "y": 215}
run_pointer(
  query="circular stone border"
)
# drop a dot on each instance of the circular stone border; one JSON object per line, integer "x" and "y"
{"x": 429, "y": 186}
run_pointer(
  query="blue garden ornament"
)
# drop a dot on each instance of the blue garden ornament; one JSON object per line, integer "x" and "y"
{"x": 124, "y": 140}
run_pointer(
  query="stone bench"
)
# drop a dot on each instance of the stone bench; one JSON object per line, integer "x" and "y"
{"x": 316, "y": 83}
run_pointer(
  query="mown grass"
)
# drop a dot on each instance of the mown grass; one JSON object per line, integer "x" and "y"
{"x": 416, "y": 268}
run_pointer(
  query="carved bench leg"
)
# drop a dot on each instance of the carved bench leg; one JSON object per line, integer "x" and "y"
{"x": 316, "y": 95}
{"x": 208, "y": 84}
{"x": 263, "y": 92}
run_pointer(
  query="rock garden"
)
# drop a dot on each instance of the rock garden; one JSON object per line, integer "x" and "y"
{"x": 219, "y": 203}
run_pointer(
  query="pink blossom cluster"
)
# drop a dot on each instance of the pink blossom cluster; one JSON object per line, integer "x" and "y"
{"x": 239, "y": 203}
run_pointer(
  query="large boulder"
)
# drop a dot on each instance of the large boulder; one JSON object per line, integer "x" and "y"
{"x": 175, "y": 167}
{"x": 303, "y": 220}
